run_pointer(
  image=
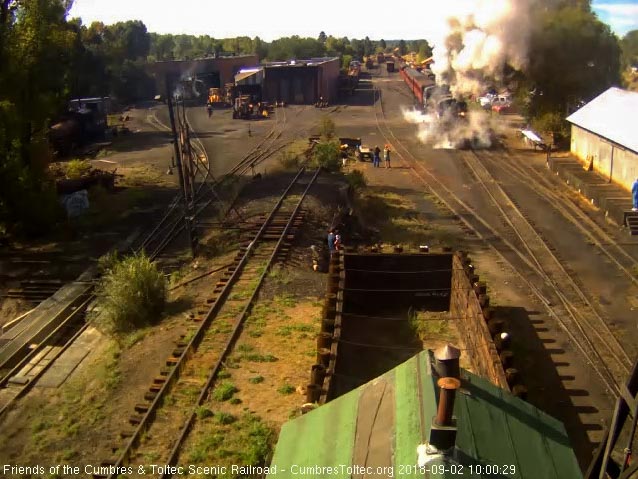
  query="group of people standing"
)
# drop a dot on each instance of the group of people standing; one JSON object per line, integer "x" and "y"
{"x": 376, "y": 159}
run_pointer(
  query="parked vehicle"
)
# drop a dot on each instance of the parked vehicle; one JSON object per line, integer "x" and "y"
{"x": 502, "y": 104}
{"x": 363, "y": 152}
{"x": 486, "y": 100}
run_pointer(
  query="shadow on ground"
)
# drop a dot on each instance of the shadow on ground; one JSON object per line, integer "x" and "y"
{"x": 139, "y": 141}
{"x": 538, "y": 361}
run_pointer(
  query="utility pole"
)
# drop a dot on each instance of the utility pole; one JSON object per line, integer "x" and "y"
{"x": 178, "y": 159}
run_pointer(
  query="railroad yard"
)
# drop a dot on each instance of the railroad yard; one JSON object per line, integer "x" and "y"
{"x": 230, "y": 361}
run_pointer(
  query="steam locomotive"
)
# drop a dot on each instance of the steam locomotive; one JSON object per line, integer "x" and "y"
{"x": 433, "y": 98}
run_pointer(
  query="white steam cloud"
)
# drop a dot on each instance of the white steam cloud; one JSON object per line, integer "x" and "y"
{"x": 446, "y": 133}
{"x": 480, "y": 37}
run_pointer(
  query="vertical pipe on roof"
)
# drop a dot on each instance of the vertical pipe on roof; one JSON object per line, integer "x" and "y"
{"x": 448, "y": 387}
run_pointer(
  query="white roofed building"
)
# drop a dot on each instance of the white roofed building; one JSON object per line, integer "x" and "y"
{"x": 605, "y": 135}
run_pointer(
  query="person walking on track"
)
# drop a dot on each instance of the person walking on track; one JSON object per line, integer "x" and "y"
{"x": 386, "y": 155}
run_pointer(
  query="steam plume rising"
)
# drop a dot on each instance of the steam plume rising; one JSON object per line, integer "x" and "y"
{"x": 480, "y": 38}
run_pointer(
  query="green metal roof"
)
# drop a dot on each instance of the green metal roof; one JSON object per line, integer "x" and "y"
{"x": 379, "y": 426}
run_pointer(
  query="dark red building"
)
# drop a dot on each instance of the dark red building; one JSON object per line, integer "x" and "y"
{"x": 301, "y": 81}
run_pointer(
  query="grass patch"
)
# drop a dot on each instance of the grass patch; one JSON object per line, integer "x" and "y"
{"x": 289, "y": 161}
{"x": 240, "y": 295}
{"x": 280, "y": 274}
{"x": 76, "y": 409}
{"x": 222, "y": 328}
{"x": 256, "y": 380}
{"x": 430, "y": 325}
{"x": 218, "y": 243}
{"x": 76, "y": 169}
{"x": 356, "y": 179}
{"x": 247, "y": 440}
{"x": 224, "y": 391}
{"x": 286, "y": 300}
{"x": 245, "y": 348}
{"x": 286, "y": 389}
{"x": 132, "y": 294}
{"x": 286, "y": 331}
{"x": 225, "y": 418}
{"x": 261, "y": 358}
{"x": 203, "y": 413}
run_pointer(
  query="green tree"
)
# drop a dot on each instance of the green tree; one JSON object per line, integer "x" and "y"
{"x": 629, "y": 46}
{"x": 260, "y": 48}
{"x": 295, "y": 47}
{"x": 183, "y": 49}
{"x": 403, "y": 49}
{"x": 328, "y": 128}
{"x": 162, "y": 47}
{"x": 345, "y": 61}
{"x": 368, "y": 46}
{"x": 424, "y": 50}
{"x": 38, "y": 49}
{"x": 382, "y": 44}
{"x": 335, "y": 46}
{"x": 573, "y": 58}
{"x": 322, "y": 37}
{"x": 358, "y": 48}
{"x": 326, "y": 155}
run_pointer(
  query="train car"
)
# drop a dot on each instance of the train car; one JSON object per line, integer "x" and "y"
{"x": 418, "y": 84}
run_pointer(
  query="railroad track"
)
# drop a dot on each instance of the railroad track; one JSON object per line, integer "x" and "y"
{"x": 172, "y": 223}
{"x": 16, "y": 381}
{"x": 19, "y": 380}
{"x": 34, "y": 290}
{"x": 605, "y": 352}
{"x": 597, "y": 235}
{"x": 163, "y": 422}
{"x": 519, "y": 242}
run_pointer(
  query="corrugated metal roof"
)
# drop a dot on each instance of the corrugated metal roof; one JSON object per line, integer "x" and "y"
{"x": 611, "y": 115}
{"x": 243, "y": 75}
{"x": 301, "y": 62}
{"x": 381, "y": 424}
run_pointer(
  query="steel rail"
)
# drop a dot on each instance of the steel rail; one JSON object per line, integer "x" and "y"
{"x": 174, "y": 454}
{"x": 71, "y": 316}
{"x": 172, "y": 377}
{"x": 176, "y": 226}
{"x": 483, "y": 230}
{"x": 175, "y": 202}
{"x": 572, "y": 212}
{"x": 541, "y": 248}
